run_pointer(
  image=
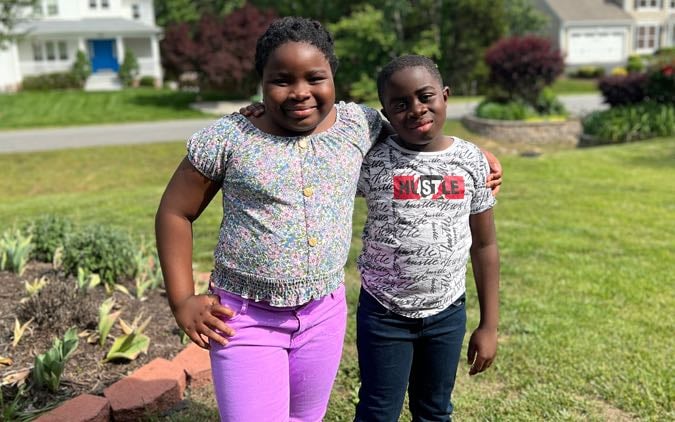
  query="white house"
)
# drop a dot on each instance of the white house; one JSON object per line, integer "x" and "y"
{"x": 103, "y": 29}
{"x": 606, "y": 32}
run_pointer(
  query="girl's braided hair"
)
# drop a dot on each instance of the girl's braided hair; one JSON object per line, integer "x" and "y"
{"x": 294, "y": 29}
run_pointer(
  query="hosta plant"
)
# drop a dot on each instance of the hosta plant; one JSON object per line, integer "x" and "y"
{"x": 132, "y": 343}
{"x": 15, "y": 250}
{"x": 33, "y": 287}
{"x": 49, "y": 366}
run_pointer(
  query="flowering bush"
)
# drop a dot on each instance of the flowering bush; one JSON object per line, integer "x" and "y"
{"x": 523, "y": 66}
{"x": 622, "y": 90}
{"x": 661, "y": 83}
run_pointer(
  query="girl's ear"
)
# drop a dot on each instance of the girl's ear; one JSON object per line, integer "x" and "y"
{"x": 446, "y": 93}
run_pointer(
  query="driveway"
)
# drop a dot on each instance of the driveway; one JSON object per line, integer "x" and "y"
{"x": 179, "y": 130}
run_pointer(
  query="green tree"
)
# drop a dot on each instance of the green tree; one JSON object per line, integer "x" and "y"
{"x": 12, "y": 13}
{"x": 363, "y": 44}
{"x": 467, "y": 28}
{"x": 81, "y": 67}
{"x": 189, "y": 11}
{"x": 522, "y": 17}
{"x": 128, "y": 69}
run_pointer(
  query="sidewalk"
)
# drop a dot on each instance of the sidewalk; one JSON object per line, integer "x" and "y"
{"x": 179, "y": 130}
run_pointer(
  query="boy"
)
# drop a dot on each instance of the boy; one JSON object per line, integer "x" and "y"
{"x": 428, "y": 208}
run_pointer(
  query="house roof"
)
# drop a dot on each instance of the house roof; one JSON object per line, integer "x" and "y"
{"x": 86, "y": 26}
{"x": 588, "y": 10}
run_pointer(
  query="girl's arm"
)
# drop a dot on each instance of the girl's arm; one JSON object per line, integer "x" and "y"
{"x": 186, "y": 196}
{"x": 485, "y": 262}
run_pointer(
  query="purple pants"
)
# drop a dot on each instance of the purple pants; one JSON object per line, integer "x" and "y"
{"x": 281, "y": 363}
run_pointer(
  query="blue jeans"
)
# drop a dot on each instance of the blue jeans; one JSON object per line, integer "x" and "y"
{"x": 395, "y": 352}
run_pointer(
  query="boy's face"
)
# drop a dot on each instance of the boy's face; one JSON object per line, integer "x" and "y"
{"x": 415, "y": 104}
{"x": 298, "y": 89}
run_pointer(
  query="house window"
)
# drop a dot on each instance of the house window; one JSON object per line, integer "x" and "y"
{"x": 92, "y": 4}
{"x": 37, "y": 10}
{"x": 37, "y": 52}
{"x": 105, "y": 4}
{"x": 647, "y": 37}
{"x": 51, "y": 52}
{"x": 52, "y": 7}
{"x": 648, "y": 4}
{"x": 672, "y": 4}
{"x": 63, "y": 50}
{"x": 136, "y": 11}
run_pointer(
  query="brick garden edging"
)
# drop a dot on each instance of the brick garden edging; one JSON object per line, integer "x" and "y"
{"x": 154, "y": 388}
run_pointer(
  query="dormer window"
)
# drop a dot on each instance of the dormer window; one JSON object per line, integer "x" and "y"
{"x": 52, "y": 7}
{"x": 92, "y": 4}
{"x": 136, "y": 11}
{"x": 105, "y": 4}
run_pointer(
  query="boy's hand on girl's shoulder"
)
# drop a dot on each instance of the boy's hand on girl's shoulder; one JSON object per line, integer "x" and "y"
{"x": 256, "y": 109}
{"x": 482, "y": 349}
{"x": 494, "y": 179}
{"x": 200, "y": 316}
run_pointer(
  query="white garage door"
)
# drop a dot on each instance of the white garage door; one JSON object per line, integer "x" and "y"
{"x": 595, "y": 46}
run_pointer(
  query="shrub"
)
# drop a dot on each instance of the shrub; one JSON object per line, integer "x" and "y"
{"x": 631, "y": 122}
{"x": 622, "y": 90}
{"x": 513, "y": 110}
{"x": 619, "y": 71}
{"x": 81, "y": 68}
{"x": 523, "y": 66}
{"x": 48, "y": 233}
{"x": 101, "y": 250}
{"x": 589, "y": 72}
{"x": 635, "y": 64}
{"x": 147, "y": 81}
{"x": 548, "y": 103}
{"x": 49, "y": 81}
{"x": 58, "y": 304}
{"x": 363, "y": 90}
{"x": 128, "y": 69}
{"x": 661, "y": 84}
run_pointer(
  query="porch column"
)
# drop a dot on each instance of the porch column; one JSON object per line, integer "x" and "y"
{"x": 119, "y": 45}
{"x": 156, "y": 63}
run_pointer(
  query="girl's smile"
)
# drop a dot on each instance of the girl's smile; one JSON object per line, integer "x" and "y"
{"x": 298, "y": 91}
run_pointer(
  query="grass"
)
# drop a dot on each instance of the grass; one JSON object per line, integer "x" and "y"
{"x": 564, "y": 85}
{"x": 73, "y": 108}
{"x": 586, "y": 239}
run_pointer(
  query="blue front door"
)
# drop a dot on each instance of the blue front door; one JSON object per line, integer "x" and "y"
{"x": 103, "y": 57}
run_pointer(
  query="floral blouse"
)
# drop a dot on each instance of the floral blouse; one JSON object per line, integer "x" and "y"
{"x": 287, "y": 203}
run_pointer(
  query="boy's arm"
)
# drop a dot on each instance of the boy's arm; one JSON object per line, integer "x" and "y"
{"x": 186, "y": 196}
{"x": 485, "y": 262}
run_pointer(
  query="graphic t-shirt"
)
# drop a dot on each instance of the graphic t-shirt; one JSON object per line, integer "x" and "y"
{"x": 417, "y": 237}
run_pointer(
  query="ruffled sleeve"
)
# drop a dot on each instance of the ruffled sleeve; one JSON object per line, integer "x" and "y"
{"x": 208, "y": 148}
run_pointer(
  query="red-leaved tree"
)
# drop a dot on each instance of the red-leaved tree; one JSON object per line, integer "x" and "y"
{"x": 523, "y": 66}
{"x": 220, "y": 50}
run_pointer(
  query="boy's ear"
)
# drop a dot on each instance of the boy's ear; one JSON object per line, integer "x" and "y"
{"x": 446, "y": 93}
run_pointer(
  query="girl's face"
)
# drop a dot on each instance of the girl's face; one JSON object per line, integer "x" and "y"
{"x": 298, "y": 90}
{"x": 415, "y": 103}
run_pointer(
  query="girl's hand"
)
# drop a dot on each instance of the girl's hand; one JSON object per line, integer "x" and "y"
{"x": 253, "y": 110}
{"x": 494, "y": 179}
{"x": 198, "y": 316}
{"x": 482, "y": 349}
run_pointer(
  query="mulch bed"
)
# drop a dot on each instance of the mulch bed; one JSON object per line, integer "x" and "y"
{"x": 84, "y": 372}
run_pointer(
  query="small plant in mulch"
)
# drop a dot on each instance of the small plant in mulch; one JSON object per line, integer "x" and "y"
{"x": 63, "y": 329}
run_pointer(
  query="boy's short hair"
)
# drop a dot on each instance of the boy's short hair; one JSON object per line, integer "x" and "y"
{"x": 404, "y": 62}
{"x": 294, "y": 29}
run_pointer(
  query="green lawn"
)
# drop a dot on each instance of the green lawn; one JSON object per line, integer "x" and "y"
{"x": 565, "y": 85}
{"x": 73, "y": 108}
{"x": 586, "y": 239}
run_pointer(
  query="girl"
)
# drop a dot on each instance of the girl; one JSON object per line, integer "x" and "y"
{"x": 288, "y": 180}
